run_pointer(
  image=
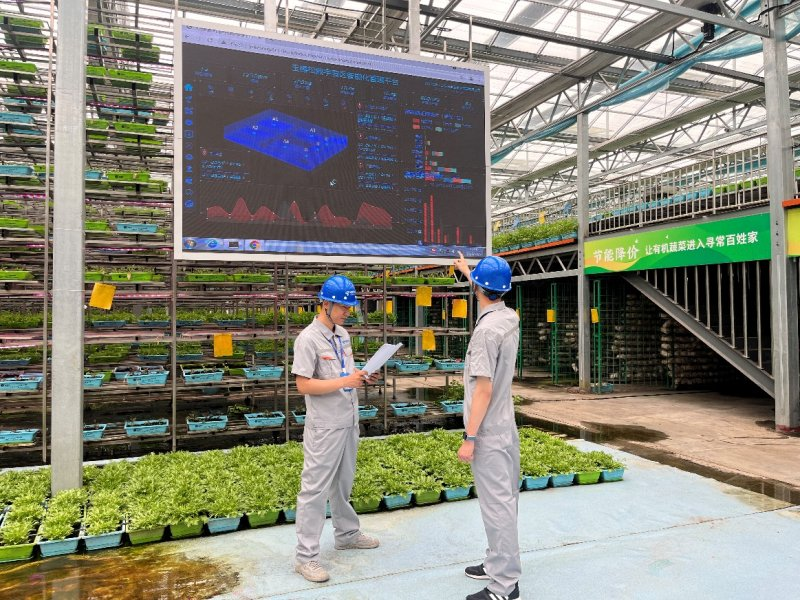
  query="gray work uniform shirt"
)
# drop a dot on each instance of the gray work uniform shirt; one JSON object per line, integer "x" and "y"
{"x": 492, "y": 353}
{"x": 315, "y": 357}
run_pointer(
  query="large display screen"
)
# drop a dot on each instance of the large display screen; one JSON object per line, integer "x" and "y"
{"x": 294, "y": 150}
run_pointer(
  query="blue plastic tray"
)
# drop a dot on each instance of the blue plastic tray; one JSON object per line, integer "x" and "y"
{"x": 16, "y": 170}
{"x": 219, "y": 423}
{"x": 113, "y": 323}
{"x": 157, "y": 358}
{"x": 397, "y": 501}
{"x": 20, "y": 383}
{"x": 93, "y": 433}
{"x": 402, "y": 409}
{"x": 367, "y": 412}
{"x": 563, "y": 480}
{"x": 92, "y": 381}
{"x": 612, "y": 475}
{"x": 149, "y": 377}
{"x": 456, "y": 493}
{"x": 57, "y": 547}
{"x": 452, "y": 406}
{"x": 103, "y": 540}
{"x": 203, "y": 376}
{"x": 299, "y": 419}
{"x": 188, "y": 357}
{"x": 223, "y": 524}
{"x": 18, "y": 436}
{"x": 154, "y": 427}
{"x": 449, "y": 365}
{"x": 136, "y": 227}
{"x": 15, "y": 362}
{"x": 263, "y": 372}
{"x": 260, "y": 419}
{"x": 412, "y": 367}
{"x": 535, "y": 483}
{"x": 153, "y": 323}
{"x": 231, "y": 322}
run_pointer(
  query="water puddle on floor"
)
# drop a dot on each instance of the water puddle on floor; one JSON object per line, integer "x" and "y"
{"x": 629, "y": 438}
{"x": 147, "y": 573}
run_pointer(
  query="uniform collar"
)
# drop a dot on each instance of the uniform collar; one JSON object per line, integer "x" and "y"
{"x": 491, "y": 308}
{"x": 325, "y": 331}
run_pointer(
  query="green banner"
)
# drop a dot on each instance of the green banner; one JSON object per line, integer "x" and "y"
{"x": 737, "y": 239}
{"x": 793, "y": 232}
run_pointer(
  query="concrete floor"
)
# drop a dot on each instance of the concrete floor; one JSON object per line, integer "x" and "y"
{"x": 661, "y": 533}
{"x": 733, "y": 434}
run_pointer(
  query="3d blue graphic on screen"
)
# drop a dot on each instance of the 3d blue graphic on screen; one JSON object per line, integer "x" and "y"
{"x": 291, "y": 148}
{"x": 294, "y": 141}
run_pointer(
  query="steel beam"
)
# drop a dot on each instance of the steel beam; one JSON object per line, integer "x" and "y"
{"x": 270, "y": 19}
{"x": 698, "y": 15}
{"x": 439, "y": 18}
{"x": 746, "y": 367}
{"x": 584, "y": 295}
{"x": 780, "y": 187}
{"x": 68, "y": 249}
{"x": 414, "y": 40}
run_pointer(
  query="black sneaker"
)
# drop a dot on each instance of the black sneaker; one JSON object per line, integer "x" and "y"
{"x": 485, "y": 594}
{"x": 476, "y": 572}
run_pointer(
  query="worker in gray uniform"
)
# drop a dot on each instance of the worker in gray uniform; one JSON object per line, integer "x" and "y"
{"x": 491, "y": 440}
{"x": 325, "y": 372}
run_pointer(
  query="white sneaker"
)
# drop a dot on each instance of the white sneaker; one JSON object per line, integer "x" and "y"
{"x": 312, "y": 571}
{"x": 361, "y": 542}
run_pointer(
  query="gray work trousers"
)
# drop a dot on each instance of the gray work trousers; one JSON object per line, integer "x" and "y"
{"x": 329, "y": 467}
{"x": 495, "y": 466}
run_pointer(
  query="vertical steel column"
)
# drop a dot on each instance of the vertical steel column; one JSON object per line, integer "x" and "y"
{"x": 780, "y": 186}
{"x": 270, "y": 16}
{"x": 48, "y": 181}
{"x": 68, "y": 254}
{"x": 584, "y": 297}
{"x": 414, "y": 43}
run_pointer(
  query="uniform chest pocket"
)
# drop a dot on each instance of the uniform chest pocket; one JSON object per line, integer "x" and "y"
{"x": 328, "y": 365}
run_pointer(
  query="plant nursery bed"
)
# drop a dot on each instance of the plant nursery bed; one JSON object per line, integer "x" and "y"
{"x": 144, "y": 428}
{"x": 210, "y": 423}
{"x": 261, "y": 419}
{"x": 408, "y": 409}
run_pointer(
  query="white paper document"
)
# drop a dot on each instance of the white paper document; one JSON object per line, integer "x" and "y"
{"x": 379, "y": 359}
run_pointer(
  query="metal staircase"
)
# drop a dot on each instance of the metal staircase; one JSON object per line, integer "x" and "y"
{"x": 727, "y": 307}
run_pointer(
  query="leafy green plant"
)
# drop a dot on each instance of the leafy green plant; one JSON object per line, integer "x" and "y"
{"x": 377, "y": 317}
{"x": 454, "y": 390}
{"x": 158, "y": 313}
{"x": 104, "y": 512}
{"x": 191, "y": 315}
{"x": 63, "y": 514}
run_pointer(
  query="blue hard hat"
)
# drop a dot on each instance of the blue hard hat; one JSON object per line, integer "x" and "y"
{"x": 492, "y": 273}
{"x": 339, "y": 289}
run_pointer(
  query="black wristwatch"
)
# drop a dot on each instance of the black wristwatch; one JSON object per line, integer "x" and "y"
{"x": 469, "y": 438}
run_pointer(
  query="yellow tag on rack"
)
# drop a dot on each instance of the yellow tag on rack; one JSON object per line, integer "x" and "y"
{"x": 424, "y": 295}
{"x": 223, "y": 344}
{"x": 428, "y": 340}
{"x": 459, "y": 308}
{"x": 541, "y": 218}
{"x": 451, "y": 271}
{"x": 551, "y": 315}
{"x": 389, "y": 307}
{"x": 102, "y": 296}
{"x": 595, "y": 315}
{"x": 300, "y": 310}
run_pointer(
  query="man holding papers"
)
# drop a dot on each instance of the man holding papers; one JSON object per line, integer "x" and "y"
{"x": 325, "y": 372}
{"x": 491, "y": 441}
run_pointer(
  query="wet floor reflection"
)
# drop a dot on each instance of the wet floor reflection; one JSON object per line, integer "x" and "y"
{"x": 149, "y": 573}
{"x": 630, "y": 438}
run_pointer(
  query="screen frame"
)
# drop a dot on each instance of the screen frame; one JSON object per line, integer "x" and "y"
{"x": 266, "y": 257}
